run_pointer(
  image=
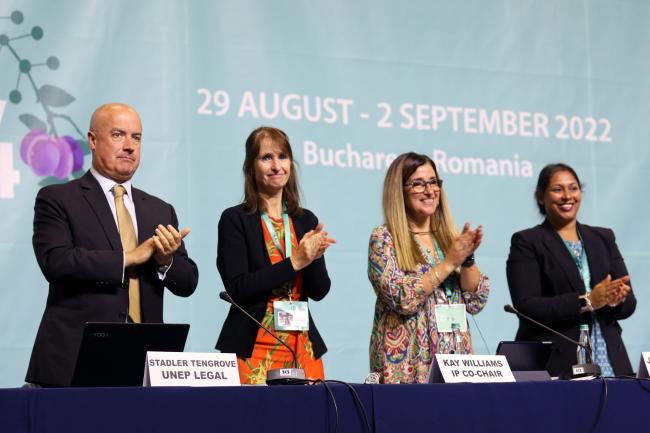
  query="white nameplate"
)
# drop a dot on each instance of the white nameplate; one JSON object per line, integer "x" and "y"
{"x": 644, "y": 366}
{"x": 470, "y": 368}
{"x": 190, "y": 369}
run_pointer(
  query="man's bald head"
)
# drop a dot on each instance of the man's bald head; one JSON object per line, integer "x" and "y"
{"x": 105, "y": 110}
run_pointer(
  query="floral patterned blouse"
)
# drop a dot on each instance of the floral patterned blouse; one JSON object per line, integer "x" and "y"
{"x": 404, "y": 336}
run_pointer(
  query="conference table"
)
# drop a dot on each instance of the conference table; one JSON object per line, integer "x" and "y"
{"x": 553, "y": 406}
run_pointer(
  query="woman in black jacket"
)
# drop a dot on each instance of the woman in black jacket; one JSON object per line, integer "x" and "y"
{"x": 270, "y": 258}
{"x": 564, "y": 273}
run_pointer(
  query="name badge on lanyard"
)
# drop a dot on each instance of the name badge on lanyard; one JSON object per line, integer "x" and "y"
{"x": 448, "y": 314}
{"x": 287, "y": 315}
{"x": 291, "y": 316}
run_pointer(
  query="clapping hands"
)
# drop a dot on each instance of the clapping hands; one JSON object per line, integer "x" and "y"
{"x": 610, "y": 292}
{"x": 161, "y": 246}
{"x": 464, "y": 245}
{"x": 312, "y": 246}
{"x": 167, "y": 240}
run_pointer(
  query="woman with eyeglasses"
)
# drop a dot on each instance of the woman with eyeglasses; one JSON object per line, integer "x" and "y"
{"x": 270, "y": 258}
{"x": 564, "y": 273}
{"x": 423, "y": 273}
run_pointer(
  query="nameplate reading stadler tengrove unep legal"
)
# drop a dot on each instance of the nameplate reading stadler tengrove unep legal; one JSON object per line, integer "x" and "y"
{"x": 190, "y": 369}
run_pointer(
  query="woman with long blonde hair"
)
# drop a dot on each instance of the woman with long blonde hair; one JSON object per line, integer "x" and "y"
{"x": 423, "y": 272}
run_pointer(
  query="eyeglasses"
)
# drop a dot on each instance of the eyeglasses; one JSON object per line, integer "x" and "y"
{"x": 421, "y": 185}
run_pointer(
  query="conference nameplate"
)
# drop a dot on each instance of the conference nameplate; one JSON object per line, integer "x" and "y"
{"x": 644, "y": 366}
{"x": 449, "y": 368}
{"x": 190, "y": 369}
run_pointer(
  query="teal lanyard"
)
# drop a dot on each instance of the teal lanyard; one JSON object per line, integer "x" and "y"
{"x": 582, "y": 263}
{"x": 274, "y": 235}
{"x": 432, "y": 262}
{"x": 276, "y": 241}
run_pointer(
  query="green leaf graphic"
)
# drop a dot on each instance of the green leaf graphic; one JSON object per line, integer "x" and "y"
{"x": 84, "y": 146}
{"x": 54, "y": 96}
{"x": 50, "y": 180}
{"x": 32, "y": 122}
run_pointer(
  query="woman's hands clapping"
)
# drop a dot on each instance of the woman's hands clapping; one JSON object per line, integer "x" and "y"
{"x": 464, "y": 245}
{"x": 610, "y": 292}
{"x": 312, "y": 246}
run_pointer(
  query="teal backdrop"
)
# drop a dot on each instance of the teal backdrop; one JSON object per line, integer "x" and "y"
{"x": 492, "y": 91}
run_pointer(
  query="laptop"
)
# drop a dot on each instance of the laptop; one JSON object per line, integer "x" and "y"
{"x": 113, "y": 354}
{"x": 527, "y": 359}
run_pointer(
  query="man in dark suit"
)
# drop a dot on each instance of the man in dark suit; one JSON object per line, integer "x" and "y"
{"x": 95, "y": 275}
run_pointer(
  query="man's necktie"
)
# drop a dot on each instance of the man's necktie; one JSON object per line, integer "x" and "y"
{"x": 129, "y": 242}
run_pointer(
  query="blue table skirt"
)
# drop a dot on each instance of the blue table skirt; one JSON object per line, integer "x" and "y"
{"x": 512, "y": 407}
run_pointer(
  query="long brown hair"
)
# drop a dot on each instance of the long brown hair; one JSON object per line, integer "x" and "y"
{"x": 290, "y": 192}
{"x": 395, "y": 213}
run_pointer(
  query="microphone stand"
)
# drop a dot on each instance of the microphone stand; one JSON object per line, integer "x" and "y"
{"x": 577, "y": 370}
{"x": 277, "y": 376}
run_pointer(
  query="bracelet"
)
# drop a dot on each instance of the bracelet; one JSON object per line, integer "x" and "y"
{"x": 585, "y": 304}
{"x": 432, "y": 278}
{"x": 469, "y": 261}
{"x": 435, "y": 272}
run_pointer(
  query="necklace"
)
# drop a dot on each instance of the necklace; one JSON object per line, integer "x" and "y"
{"x": 429, "y": 232}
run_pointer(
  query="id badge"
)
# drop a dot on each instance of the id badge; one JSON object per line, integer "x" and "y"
{"x": 291, "y": 316}
{"x": 446, "y": 314}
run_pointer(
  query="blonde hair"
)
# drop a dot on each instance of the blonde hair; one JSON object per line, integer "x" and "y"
{"x": 396, "y": 217}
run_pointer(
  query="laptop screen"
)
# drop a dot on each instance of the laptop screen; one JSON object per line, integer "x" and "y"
{"x": 526, "y": 355}
{"x": 113, "y": 354}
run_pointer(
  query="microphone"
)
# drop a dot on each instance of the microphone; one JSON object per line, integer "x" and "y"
{"x": 578, "y": 370}
{"x": 278, "y": 376}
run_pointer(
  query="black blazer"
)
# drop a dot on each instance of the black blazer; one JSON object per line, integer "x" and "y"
{"x": 249, "y": 277}
{"x": 545, "y": 283}
{"x": 78, "y": 249}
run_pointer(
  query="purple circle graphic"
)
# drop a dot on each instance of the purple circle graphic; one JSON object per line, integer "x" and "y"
{"x": 63, "y": 170}
{"x": 26, "y": 143}
{"x": 43, "y": 156}
{"x": 77, "y": 153}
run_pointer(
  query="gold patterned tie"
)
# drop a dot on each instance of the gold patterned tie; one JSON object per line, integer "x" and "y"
{"x": 129, "y": 242}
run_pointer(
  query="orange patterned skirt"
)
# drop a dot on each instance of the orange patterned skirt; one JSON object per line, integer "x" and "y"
{"x": 269, "y": 354}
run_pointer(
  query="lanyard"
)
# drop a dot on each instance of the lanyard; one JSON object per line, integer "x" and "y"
{"x": 276, "y": 241}
{"x": 432, "y": 262}
{"x": 582, "y": 263}
{"x": 274, "y": 235}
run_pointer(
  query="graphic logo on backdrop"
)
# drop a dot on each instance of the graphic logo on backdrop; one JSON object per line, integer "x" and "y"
{"x": 44, "y": 149}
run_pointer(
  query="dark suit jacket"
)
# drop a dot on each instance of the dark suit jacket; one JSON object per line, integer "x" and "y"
{"x": 78, "y": 249}
{"x": 249, "y": 277}
{"x": 545, "y": 283}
